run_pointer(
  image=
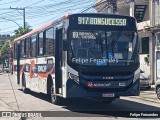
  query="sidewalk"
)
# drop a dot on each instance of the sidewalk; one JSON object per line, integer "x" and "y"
{"x": 5, "y": 86}
{"x": 148, "y": 95}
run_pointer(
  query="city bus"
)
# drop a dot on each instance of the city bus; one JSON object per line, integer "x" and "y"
{"x": 87, "y": 55}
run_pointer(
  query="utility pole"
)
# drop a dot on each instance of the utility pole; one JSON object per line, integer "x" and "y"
{"x": 23, "y": 15}
{"x": 152, "y": 40}
{"x": 112, "y": 6}
{"x": 18, "y": 57}
{"x": 131, "y": 10}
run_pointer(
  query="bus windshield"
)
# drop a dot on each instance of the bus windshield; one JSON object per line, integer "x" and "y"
{"x": 109, "y": 48}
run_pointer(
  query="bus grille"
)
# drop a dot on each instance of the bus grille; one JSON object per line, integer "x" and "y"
{"x": 108, "y": 73}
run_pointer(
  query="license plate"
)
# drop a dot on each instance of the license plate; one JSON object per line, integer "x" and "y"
{"x": 108, "y": 95}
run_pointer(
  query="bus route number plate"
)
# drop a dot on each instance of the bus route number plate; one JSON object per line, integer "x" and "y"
{"x": 108, "y": 95}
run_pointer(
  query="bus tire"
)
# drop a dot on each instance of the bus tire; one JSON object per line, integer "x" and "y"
{"x": 24, "y": 89}
{"x": 158, "y": 92}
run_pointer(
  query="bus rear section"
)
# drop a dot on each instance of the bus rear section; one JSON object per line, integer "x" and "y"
{"x": 102, "y": 57}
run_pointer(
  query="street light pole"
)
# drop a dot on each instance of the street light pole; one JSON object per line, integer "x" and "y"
{"x": 18, "y": 57}
{"x": 23, "y": 15}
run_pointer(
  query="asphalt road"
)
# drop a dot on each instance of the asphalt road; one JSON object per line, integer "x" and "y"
{"x": 70, "y": 108}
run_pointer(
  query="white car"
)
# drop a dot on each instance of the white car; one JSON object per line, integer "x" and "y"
{"x": 0, "y": 69}
{"x": 7, "y": 70}
{"x": 145, "y": 81}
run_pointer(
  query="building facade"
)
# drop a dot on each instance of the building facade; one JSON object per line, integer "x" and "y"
{"x": 147, "y": 13}
{"x": 156, "y": 31}
{"x": 3, "y": 38}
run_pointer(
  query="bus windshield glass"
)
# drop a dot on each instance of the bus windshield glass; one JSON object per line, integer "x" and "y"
{"x": 110, "y": 48}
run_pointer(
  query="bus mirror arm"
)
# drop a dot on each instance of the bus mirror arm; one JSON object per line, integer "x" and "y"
{"x": 65, "y": 45}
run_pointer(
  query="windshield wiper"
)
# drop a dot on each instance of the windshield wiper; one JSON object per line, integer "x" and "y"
{"x": 106, "y": 44}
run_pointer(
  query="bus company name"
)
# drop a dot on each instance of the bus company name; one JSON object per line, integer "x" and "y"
{"x": 91, "y": 84}
{"x": 102, "y": 21}
{"x": 42, "y": 68}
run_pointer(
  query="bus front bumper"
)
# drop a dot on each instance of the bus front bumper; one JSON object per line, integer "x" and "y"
{"x": 75, "y": 90}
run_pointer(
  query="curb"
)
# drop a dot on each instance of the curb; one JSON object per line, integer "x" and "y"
{"x": 146, "y": 99}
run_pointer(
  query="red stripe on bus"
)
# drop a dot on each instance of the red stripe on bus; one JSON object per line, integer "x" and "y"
{"x": 32, "y": 65}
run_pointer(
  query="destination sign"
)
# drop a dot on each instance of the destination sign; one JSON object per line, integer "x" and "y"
{"x": 102, "y": 21}
{"x": 83, "y": 35}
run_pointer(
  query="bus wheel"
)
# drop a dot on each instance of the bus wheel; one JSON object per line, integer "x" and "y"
{"x": 24, "y": 89}
{"x": 158, "y": 91}
{"x": 54, "y": 99}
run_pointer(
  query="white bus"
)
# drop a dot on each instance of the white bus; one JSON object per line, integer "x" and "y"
{"x": 80, "y": 56}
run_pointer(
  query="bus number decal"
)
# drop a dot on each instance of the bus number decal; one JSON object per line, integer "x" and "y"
{"x": 102, "y": 21}
{"x": 27, "y": 68}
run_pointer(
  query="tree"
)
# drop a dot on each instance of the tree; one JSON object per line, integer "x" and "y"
{"x": 5, "y": 50}
{"x": 21, "y": 31}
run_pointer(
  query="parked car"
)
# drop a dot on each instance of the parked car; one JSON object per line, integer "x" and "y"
{"x": 145, "y": 81}
{"x": 157, "y": 88}
{"x": 7, "y": 70}
{"x": 0, "y": 69}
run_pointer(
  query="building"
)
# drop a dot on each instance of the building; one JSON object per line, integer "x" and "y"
{"x": 156, "y": 31}
{"x": 3, "y": 38}
{"x": 147, "y": 13}
{"x": 4, "y": 63}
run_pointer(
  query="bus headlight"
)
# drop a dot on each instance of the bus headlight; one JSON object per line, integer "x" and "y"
{"x": 136, "y": 75}
{"x": 73, "y": 77}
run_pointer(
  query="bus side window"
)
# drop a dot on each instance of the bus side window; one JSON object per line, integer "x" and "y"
{"x": 15, "y": 51}
{"x": 23, "y": 50}
{"x": 50, "y": 42}
{"x": 40, "y": 44}
{"x": 28, "y": 47}
{"x": 33, "y": 46}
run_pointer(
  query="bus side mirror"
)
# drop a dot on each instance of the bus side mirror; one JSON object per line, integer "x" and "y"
{"x": 65, "y": 45}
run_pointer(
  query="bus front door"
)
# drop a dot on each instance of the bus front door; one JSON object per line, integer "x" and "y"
{"x": 18, "y": 63}
{"x": 58, "y": 61}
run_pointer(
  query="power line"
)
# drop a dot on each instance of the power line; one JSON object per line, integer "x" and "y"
{"x": 8, "y": 27}
{"x": 45, "y": 7}
{"x": 19, "y": 3}
{"x": 50, "y": 9}
{"x": 9, "y": 2}
{"x": 11, "y": 20}
{"x": 64, "y": 9}
{"x": 34, "y": 3}
{"x": 52, "y": 5}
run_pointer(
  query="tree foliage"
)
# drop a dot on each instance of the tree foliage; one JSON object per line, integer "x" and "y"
{"x": 6, "y": 47}
{"x": 5, "y": 50}
{"x": 21, "y": 31}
